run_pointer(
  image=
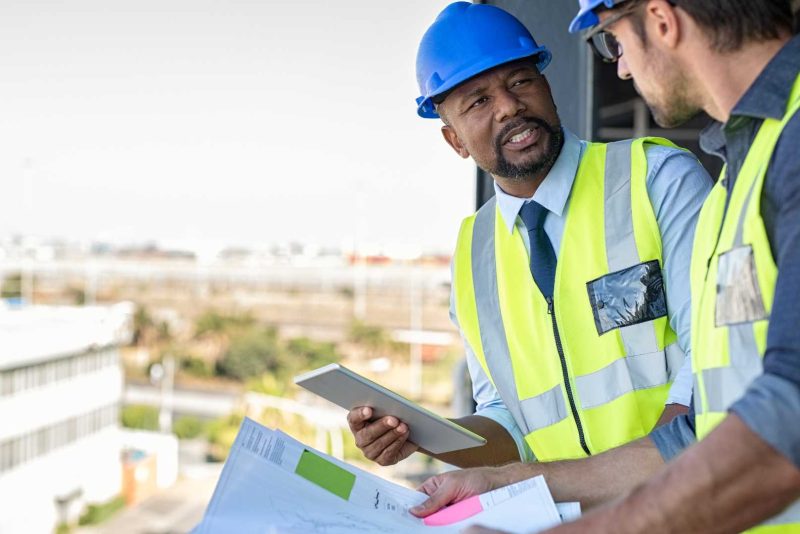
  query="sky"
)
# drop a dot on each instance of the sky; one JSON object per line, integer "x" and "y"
{"x": 212, "y": 123}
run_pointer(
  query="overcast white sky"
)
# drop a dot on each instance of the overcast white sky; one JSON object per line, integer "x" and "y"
{"x": 226, "y": 122}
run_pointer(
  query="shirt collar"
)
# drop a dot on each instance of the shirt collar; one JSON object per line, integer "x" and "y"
{"x": 766, "y": 98}
{"x": 554, "y": 190}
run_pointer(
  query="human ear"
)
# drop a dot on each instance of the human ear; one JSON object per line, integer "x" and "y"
{"x": 663, "y": 21}
{"x": 453, "y": 140}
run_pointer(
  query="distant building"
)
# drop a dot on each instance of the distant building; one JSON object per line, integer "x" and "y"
{"x": 60, "y": 393}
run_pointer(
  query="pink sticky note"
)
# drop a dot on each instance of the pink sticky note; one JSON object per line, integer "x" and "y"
{"x": 455, "y": 512}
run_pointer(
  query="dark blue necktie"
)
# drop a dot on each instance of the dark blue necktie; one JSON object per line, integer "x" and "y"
{"x": 543, "y": 257}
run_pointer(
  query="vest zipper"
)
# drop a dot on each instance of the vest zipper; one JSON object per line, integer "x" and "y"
{"x": 551, "y": 312}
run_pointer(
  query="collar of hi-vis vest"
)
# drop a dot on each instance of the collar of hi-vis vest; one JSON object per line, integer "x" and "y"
{"x": 554, "y": 190}
{"x": 766, "y": 98}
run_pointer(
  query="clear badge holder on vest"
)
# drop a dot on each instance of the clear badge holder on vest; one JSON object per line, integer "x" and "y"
{"x": 738, "y": 293}
{"x": 627, "y": 297}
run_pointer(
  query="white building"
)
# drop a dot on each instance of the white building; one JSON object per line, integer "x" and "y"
{"x": 60, "y": 393}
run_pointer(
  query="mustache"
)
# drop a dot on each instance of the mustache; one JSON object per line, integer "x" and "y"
{"x": 523, "y": 121}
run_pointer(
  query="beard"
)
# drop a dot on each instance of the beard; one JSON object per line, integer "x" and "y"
{"x": 673, "y": 106}
{"x": 529, "y": 169}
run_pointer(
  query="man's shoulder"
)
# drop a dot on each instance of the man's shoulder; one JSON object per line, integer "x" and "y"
{"x": 657, "y": 151}
{"x": 784, "y": 166}
{"x": 671, "y": 162}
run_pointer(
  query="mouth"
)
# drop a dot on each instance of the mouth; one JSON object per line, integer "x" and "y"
{"x": 522, "y": 137}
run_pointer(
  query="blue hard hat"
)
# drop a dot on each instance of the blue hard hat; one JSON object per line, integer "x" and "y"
{"x": 586, "y": 17}
{"x": 465, "y": 40}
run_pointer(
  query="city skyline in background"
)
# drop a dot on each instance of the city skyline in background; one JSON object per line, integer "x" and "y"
{"x": 210, "y": 125}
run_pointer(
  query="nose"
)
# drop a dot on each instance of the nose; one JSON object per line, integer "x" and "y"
{"x": 507, "y": 105}
{"x": 622, "y": 68}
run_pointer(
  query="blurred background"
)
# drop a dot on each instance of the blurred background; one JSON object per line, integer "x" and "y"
{"x": 202, "y": 199}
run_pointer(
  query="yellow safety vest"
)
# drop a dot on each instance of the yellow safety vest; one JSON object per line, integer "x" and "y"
{"x": 733, "y": 278}
{"x": 592, "y": 370}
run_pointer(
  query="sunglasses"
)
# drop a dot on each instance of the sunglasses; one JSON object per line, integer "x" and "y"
{"x": 605, "y": 45}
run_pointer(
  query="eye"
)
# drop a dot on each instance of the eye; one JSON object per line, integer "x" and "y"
{"x": 521, "y": 81}
{"x": 479, "y": 102}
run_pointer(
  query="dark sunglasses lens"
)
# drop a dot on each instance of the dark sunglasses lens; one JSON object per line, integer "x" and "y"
{"x": 606, "y": 46}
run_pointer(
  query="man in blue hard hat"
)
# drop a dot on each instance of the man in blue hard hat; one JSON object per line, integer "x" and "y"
{"x": 733, "y": 462}
{"x": 570, "y": 286}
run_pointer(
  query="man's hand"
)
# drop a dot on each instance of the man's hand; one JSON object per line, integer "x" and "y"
{"x": 455, "y": 486}
{"x": 384, "y": 441}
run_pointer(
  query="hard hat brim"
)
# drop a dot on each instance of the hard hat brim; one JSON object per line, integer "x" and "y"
{"x": 584, "y": 19}
{"x": 425, "y": 106}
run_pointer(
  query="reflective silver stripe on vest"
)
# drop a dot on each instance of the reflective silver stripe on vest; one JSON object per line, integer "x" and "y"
{"x": 697, "y": 399}
{"x": 742, "y": 346}
{"x": 622, "y": 376}
{"x": 545, "y": 409}
{"x": 490, "y": 320}
{"x": 620, "y": 240}
{"x": 675, "y": 358}
{"x": 726, "y": 385}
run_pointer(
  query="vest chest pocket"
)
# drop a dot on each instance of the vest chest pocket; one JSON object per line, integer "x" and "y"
{"x": 738, "y": 293}
{"x": 627, "y": 297}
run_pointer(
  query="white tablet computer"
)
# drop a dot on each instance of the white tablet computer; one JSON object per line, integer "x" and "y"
{"x": 350, "y": 390}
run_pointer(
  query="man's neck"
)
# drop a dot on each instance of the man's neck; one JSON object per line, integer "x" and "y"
{"x": 724, "y": 78}
{"x": 522, "y": 188}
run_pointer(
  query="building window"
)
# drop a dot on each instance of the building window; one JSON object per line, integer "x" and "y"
{"x": 41, "y": 374}
{"x": 26, "y": 447}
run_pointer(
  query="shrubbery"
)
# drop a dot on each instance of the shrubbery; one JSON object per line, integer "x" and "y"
{"x": 259, "y": 350}
{"x": 140, "y": 417}
{"x": 97, "y": 513}
{"x": 188, "y": 427}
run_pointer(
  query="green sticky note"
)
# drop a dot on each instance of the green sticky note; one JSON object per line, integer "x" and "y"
{"x": 325, "y": 474}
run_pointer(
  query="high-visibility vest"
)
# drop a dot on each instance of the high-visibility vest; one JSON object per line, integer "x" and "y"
{"x": 733, "y": 278}
{"x": 592, "y": 370}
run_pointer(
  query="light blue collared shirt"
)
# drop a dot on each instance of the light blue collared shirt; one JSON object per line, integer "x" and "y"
{"x": 677, "y": 186}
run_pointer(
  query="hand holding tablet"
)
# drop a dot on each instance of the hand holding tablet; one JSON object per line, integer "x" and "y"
{"x": 351, "y": 390}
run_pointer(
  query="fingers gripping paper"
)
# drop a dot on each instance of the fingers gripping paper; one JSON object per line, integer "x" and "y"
{"x": 275, "y": 484}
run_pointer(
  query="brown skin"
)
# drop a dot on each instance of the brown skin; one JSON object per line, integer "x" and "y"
{"x": 480, "y": 109}
{"x": 476, "y": 115}
{"x": 385, "y": 441}
{"x": 732, "y": 479}
{"x": 671, "y": 411}
{"x": 592, "y": 481}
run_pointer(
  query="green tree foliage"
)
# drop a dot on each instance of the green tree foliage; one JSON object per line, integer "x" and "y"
{"x": 310, "y": 354}
{"x": 142, "y": 323}
{"x": 213, "y": 322}
{"x": 254, "y": 352}
{"x": 188, "y": 427}
{"x": 194, "y": 366}
{"x": 373, "y": 339}
{"x": 12, "y": 286}
{"x": 221, "y": 434}
{"x": 259, "y": 350}
{"x": 97, "y": 513}
{"x": 140, "y": 417}
{"x": 371, "y": 336}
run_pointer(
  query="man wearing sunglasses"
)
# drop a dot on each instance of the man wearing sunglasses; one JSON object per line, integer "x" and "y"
{"x": 570, "y": 287}
{"x": 734, "y": 459}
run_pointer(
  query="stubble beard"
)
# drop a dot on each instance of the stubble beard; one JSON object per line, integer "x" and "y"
{"x": 673, "y": 106}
